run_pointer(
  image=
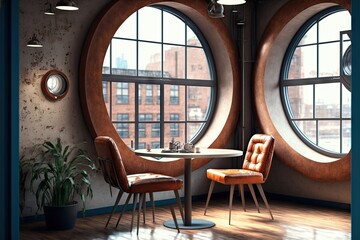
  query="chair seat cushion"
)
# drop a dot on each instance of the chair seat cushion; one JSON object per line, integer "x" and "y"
{"x": 152, "y": 182}
{"x": 235, "y": 176}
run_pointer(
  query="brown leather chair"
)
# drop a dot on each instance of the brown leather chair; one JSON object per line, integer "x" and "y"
{"x": 135, "y": 185}
{"x": 255, "y": 170}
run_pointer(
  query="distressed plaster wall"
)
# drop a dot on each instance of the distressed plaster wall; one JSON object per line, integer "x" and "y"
{"x": 62, "y": 36}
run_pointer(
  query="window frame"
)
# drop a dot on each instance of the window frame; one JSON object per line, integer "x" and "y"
{"x": 96, "y": 116}
{"x": 285, "y": 82}
{"x": 290, "y": 150}
{"x": 155, "y": 85}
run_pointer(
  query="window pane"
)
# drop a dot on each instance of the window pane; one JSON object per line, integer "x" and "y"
{"x": 121, "y": 94}
{"x": 346, "y": 102}
{"x": 174, "y": 97}
{"x": 145, "y": 132}
{"x": 174, "y": 61}
{"x": 330, "y": 26}
{"x": 155, "y": 131}
{"x": 174, "y": 29}
{"x": 316, "y": 97}
{"x": 346, "y": 136}
{"x": 123, "y": 57}
{"x": 149, "y": 94}
{"x": 106, "y": 96}
{"x": 329, "y": 55}
{"x": 329, "y": 135}
{"x": 327, "y": 100}
{"x": 193, "y": 129}
{"x": 303, "y": 63}
{"x": 131, "y": 136}
{"x": 150, "y": 60}
{"x": 127, "y": 28}
{"x": 301, "y": 101}
{"x": 106, "y": 91}
{"x": 151, "y": 44}
{"x": 142, "y": 145}
{"x": 198, "y": 102}
{"x": 149, "y": 100}
{"x": 106, "y": 63}
{"x": 192, "y": 39}
{"x": 150, "y": 24}
{"x": 308, "y": 129}
{"x": 155, "y": 144}
{"x": 123, "y": 128}
{"x": 310, "y": 36}
{"x": 197, "y": 64}
{"x": 174, "y": 130}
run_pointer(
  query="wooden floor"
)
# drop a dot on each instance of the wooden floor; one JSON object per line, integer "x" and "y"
{"x": 291, "y": 221}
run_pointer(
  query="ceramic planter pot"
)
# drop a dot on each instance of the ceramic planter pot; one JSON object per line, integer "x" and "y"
{"x": 60, "y": 218}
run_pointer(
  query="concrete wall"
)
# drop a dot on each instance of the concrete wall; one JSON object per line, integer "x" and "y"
{"x": 63, "y": 36}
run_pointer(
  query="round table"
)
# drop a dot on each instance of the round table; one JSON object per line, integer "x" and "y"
{"x": 159, "y": 155}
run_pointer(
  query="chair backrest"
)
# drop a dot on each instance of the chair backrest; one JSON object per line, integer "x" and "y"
{"x": 259, "y": 154}
{"x": 111, "y": 162}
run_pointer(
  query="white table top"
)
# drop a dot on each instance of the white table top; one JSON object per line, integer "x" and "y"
{"x": 204, "y": 153}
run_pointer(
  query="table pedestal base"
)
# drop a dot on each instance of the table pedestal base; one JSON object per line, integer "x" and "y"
{"x": 195, "y": 224}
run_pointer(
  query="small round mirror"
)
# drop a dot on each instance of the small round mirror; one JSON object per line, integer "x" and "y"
{"x": 54, "y": 85}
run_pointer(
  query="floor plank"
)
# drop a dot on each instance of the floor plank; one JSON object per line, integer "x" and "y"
{"x": 291, "y": 221}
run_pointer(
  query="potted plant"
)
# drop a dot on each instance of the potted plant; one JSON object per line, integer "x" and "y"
{"x": 58, "y": 175}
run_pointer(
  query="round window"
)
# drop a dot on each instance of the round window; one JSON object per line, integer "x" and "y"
{"x": 306, "y": 110}
{"x": 317, "y": 104}
{"x": 54, "y": 85}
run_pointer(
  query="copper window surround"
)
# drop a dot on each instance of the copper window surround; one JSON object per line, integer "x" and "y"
{"x": 225, "y": 57}
{"x": 338, "y": 170}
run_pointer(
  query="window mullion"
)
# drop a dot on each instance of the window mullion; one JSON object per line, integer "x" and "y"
{"x": 162, "y": 110}
{"x": 136, "y": 135}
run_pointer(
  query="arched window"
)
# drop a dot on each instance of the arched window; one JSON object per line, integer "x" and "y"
{"x": 300, "y": 25}
{"x": 159, "y": 72}
{"x": 145, "y": 79}
{"x": 316, "y": 100}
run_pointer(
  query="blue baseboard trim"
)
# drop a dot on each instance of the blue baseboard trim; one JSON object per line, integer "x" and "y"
{"x": 269, "y": 196}
{"x": 98, "y": 211}
{"x": 309, "y": 201}
{"x": 286, "y": 198}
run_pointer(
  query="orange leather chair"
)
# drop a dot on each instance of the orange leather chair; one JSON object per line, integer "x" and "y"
{"x": 255, "y": 170}
{"x": 138, "y": 185}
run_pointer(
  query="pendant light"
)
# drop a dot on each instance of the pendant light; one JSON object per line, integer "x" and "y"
{"x": 215, "y": 10}
{"x": 34, "y": 42}
{"x": 231, "y": 2}
{"x": 49, "y": 10}
{"x": 67, "y": 5}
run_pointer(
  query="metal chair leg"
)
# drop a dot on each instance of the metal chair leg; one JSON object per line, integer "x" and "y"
{"x": 241, "y": 190}
{"x": 144, "y": 207}
{"x": 264, "y": 198}
{"x": 211, "y": 188}
{"x": 179, "y": 204}
{"x": 232, "y": 187}
{"x": 254, "y": 196}
{"x": 174, "y": 218}
{"x": 123, "y": 209}
{"x": 114, "y": 207}
{"x": 135, "y": 200}
{"x": 152, "y": 205}
{"x": 141, "y": 201}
